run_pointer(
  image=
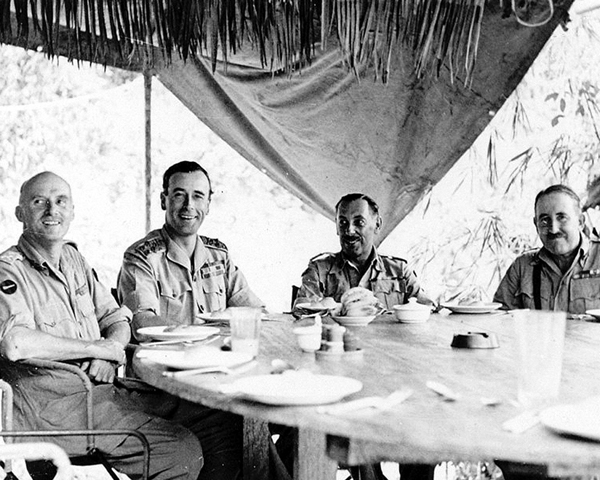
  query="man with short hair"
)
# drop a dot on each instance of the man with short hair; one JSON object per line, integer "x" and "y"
{"x": 358, "y": 264}
{"x": 172, "y": 275}
{"x": 53, "y": 307}
{"x": 564, "y": 274}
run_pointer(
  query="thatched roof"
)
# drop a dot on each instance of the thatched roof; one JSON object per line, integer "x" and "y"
{"x": 295, "y": 95}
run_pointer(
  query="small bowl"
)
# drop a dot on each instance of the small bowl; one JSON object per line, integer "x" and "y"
{"x": 475, "y": 340}
{"x": 347, "y": 321}
{"x": 412, "y": 312}
{"x": 309, "y": 338}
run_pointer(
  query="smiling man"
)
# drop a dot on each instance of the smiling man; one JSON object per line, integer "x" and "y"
{"x": 564, "y": 274}
{"x": 358, "y": 264}
{"x": 53, "y": 307}
{"x": 173, "y": 274}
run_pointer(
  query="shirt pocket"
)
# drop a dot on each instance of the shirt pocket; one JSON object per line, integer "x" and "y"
{"x": 525, "y": 299}
{"x": 175, "y": 302}
{"x": 585, "y": 294}
{"x": 85, "y": 305}
{"x": 391, "y": 291}
{"x": 213, "y": 289}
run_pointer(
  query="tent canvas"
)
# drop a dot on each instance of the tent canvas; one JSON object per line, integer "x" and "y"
{"x": 325, "y": 129}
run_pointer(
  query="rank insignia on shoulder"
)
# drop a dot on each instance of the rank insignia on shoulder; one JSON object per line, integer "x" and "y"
{"x": 8, "y": 286}
{"x": 213, "y": 242}
{"x": 322, "y": 256}
{"x": 11, "y": 255}
{"x": 151, "y": 246}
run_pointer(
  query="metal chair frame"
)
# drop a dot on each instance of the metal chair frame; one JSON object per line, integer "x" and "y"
{"x": 89, "y": 432}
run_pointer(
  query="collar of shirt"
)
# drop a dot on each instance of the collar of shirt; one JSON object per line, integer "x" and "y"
{"x": 176, "y": 254}
{"x": 581, "y": 257}
{"x": 375, "y": 264}
{"x": 33, "y": 256}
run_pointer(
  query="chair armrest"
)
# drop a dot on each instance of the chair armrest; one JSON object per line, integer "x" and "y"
{"x": 40, "y": 451}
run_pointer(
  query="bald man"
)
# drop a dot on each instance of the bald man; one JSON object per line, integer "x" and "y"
{"x": 53, "y": 307}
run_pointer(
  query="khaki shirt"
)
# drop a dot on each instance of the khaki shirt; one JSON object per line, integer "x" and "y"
{"x": 575, "y": 292}
{"x": 157, "y": 277}
{"x": 330, "y": 275}
{"x": 66, "y": 302}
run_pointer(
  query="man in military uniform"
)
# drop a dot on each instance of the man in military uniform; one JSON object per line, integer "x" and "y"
{"x": 564, "y": 274}
{"x": 53, "y": 307}
{"x": 171, "y": 276}
{"x": 358, "y": 263}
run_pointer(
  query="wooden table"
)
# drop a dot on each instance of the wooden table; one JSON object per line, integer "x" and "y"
{"x": 425, "y": 428}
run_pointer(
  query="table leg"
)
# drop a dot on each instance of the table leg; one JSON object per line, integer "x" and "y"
{"x": 256, "y": 449}
{"x": 312, "y": 462}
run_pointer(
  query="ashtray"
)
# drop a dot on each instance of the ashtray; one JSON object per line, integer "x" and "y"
{"x": 475, "y": 340}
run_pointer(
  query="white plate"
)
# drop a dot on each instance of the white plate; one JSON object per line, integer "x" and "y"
{"x": 194, "y": 357}
{"x": 186, "y": 332}
{"x": 214, "y": 317}
{"x": 594, "y": 313}
{"x": 483, "y": 308}
{"x": 294, "y": 388}
{"x": 353, "y": 321}
{"x": 580, "y": 419}
{"x": 312, "y": 308}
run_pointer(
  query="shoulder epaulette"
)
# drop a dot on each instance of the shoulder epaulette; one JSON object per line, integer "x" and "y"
{"x": 213, "y": 242}
{"x": 396, "y": 259}
{"x": 322, "y": 256}
{"x": 11, "y": 255}
{"x": 71, "y": 243}
{"x": 152, "y": 245}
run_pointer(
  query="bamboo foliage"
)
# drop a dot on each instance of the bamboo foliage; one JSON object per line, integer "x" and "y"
{"x": 282, "y": 32}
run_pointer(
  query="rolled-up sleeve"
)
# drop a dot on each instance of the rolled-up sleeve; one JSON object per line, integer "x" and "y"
{"x": 14, "y": 310}
{"x": 137, "y": 285}
{"x": 312, "y": 287}
{"x": 508, "y": 291}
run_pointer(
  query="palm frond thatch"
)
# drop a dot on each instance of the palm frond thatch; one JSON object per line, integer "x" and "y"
{"x": 282, "y": 32}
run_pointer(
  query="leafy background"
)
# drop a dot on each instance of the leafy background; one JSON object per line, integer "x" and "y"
{"x": 87, "y": 124}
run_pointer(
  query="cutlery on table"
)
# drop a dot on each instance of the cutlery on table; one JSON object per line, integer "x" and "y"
{"x": 443, "y": 391}
{"x": 236, "y": 369}
{"x": 377, "y": 403}
{"x": 185, "y": 343}
{"x": 522, "y": 422}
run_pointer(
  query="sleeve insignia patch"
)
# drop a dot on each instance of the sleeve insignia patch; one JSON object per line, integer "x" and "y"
{"x": 8, "y": 286}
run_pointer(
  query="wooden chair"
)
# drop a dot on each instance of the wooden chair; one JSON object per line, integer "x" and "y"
{"x": 42, "y": 469}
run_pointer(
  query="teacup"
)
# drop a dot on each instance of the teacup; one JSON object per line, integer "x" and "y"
{"x": 309, "y": 338}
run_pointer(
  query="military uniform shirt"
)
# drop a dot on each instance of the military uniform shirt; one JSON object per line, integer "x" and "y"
{"x": 66, "y": 302}
{"x": 575, "y": 292}
{"x": 330, "y": 275}
{"x": 157, "y": 277}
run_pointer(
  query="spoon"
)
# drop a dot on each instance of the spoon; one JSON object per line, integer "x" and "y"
{"x": 279, "y": 366}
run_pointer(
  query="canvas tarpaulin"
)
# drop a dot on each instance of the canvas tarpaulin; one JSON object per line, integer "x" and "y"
{"x": 321, "y": 132}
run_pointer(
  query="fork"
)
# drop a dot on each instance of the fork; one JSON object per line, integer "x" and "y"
{"x": 378, "y": 403}
{"x": 240, "y": 368}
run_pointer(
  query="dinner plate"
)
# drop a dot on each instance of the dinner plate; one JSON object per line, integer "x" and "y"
{"x": 293, "y": 388}
{"x": 194, "y": 357}
{"x": 183, "y": 332}
{"x": 353, "y": 321}
{"x": 594, "y": 313}
{"x": 579, "y": 419}
{"x": 480, "y": 308}
{"x": 312, "y": 308}
{"x": 214, "y": 317}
